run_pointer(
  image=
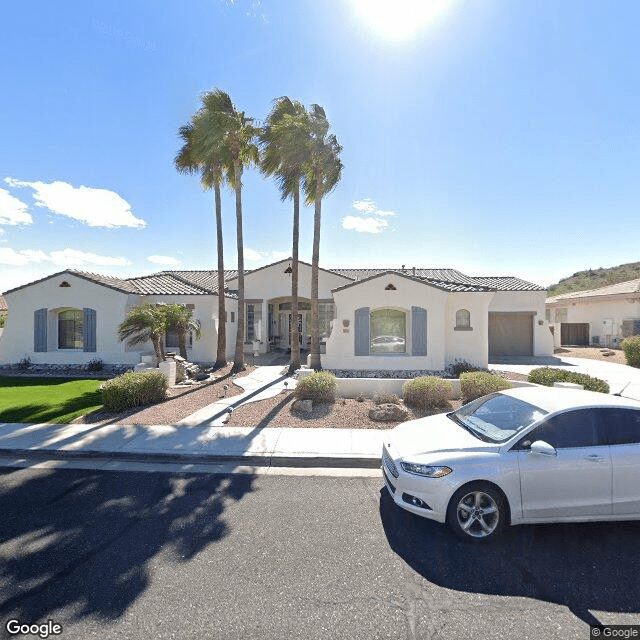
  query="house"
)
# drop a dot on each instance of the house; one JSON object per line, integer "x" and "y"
{"x": 402, "y": 319}
{"x": 603, "y": 316}
{"x": 3, "y": 305}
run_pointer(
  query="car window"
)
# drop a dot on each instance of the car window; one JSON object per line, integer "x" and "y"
{"x": 619, "y": 426}
{"x": 567, "y": 430}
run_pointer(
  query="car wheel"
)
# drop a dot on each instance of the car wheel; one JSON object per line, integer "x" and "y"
{"x": 477, "y": 512}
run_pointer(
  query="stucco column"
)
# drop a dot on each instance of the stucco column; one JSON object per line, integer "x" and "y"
{"x": 264, "y": 327}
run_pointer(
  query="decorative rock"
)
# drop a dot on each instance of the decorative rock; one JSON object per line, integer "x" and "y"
{"x": 201, "y": 375}
{"x": 302, "y": 406}
{"x": 388, "y": 413}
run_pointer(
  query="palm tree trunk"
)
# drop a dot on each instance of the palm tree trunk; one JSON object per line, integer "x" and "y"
{"x": 294, "y": 364}
{"x": 221, "y": 354}
{"x": 238, "y": 360}
{"x": 182, "y": 343}
{"x": 314, "y": 361}
{"x": 157, "y": 347}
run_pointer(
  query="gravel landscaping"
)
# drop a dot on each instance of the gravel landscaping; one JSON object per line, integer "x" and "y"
{"x": 592, "y": 353}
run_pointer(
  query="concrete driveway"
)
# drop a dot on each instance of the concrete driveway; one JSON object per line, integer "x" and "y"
{"x": 619, "y": 376}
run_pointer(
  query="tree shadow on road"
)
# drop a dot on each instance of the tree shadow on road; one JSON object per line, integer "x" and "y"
{"x": 585, "y": 567}
{"x": 83, "y": 540}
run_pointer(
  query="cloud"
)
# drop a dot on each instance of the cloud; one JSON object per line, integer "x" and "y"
{"x": 366, "y": 205}
{"x": 386, "y": 214}
{"x": 12, "y": 210}
{"x": 64, "y": 258}
{"x": 164, "y": 260}
{"x": 93, "y": 207}
{"x": 252, "y": 255}
{"x": 363, "y": 224}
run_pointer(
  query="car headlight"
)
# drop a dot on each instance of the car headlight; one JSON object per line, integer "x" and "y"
{"x": 427, "y": 470}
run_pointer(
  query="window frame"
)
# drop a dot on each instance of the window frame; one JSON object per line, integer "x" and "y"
{"x": 79, "y": 313}
{"x": 372, "y": 337}
{"x": 463, "y": 322}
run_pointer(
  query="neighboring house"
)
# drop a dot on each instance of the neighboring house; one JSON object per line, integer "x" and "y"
{"x": 603, "y": 316}
{"x": 3, "y": 312}
{"x": 411, "y": 319}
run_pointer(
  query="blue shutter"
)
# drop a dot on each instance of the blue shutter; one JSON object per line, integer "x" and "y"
{"x": 89, "y": 330}
{"x": 418, "y": 331}
{"x": 40, "y": 330}
{"x": 361, "y": 331}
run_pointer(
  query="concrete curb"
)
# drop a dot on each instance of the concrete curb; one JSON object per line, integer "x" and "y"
{"x": 256, "y": 460}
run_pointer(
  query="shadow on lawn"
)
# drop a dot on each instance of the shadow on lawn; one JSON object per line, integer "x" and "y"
{"x": 60, "y": 412}
{"x": 84, "y": 541}
{"x": 585, "y": 567}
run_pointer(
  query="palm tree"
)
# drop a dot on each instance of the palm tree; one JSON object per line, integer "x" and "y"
{"x": 213, "y": 165}
{"x": 220, "y": 124}
{"x": 179, "y": 318}
{"x": 284, "y": 155}
{"x": 145, "y": 322}
{"x": 322, "y": 174}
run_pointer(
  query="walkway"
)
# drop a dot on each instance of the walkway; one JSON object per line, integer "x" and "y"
{"x": 260, "y": 384}
{"x": 619, "y": 376}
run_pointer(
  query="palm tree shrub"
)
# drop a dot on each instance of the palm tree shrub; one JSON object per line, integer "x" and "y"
{"x": 145, "y": 322}
{"x": 134, "y": 389}
{"x": 179, "y": 318}
{"x": 213, "y": 163}
{"x": 427, "y": 392}
{"x": 284, "y": 154}
{"x": 219, "y": 124}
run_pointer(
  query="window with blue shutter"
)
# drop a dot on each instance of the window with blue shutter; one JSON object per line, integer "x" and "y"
{"x": 418, "y": 331}
{"x": 89, "y": 330}
{"x": 361, "y": 332}
{"x": 40, "y": 330}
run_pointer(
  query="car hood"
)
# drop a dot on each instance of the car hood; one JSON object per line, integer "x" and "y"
{"x": 433, "y": 435}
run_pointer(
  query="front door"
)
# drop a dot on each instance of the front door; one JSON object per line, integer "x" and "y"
{"x": 286, "y": 324}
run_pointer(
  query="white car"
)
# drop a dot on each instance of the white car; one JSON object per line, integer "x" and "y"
{"x": 525, "y": 455}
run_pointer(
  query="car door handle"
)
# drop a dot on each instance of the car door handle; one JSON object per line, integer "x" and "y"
{"x": 595, "y": 458}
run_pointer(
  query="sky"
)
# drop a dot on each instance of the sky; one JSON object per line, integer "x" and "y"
{"x": 493, "y": 137}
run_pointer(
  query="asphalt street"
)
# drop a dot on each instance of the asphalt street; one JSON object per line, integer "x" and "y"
{"x": 173, "y": 555}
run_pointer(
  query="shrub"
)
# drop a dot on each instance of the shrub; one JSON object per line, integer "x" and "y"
{"x": 458, "y": 367}
{"x": 3, "y": 318}
{"x": 385, "y": 398}
{"x": 134, "y": 389}
{"x": 427, "y": 392}
{"x": 479, "y": 383}
{"x": 96, "y": 364}
{"x": 319, "y": 387}
{"x": 547, "y": 376}
{"x": 24, "y": 364}
{"x": 631, "y": 348}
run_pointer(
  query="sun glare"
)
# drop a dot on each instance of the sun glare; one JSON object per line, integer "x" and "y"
{"x": 400, "y": 19}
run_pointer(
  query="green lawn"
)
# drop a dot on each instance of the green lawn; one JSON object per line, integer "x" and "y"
{"x": 47, "y": 399}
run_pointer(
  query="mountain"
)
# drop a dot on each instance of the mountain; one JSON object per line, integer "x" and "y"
{"x": 594, "y": 278}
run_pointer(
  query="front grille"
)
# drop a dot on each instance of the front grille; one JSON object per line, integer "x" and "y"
{"x": 389, "y": 463}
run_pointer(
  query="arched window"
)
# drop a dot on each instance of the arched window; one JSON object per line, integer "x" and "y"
{"x": 463, "y": 319}
{"x": 388, "y": 331}
{"x": 70, "y": 329}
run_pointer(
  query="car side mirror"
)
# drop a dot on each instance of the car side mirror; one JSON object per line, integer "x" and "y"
{"x": 542, "y": 448}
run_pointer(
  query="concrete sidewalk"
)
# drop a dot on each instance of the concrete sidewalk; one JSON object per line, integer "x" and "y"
{"x": 242, "y": 446}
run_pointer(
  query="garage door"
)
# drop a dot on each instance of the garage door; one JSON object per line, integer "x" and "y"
{"x": 510, "y": 334}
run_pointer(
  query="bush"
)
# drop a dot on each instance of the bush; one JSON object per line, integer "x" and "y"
{"x": 458, "y": 367}
{"x": 631, "y": 348}
{"x": 96, "y": 364}
{"x": 319, "y": 387}
{"x": 134, "y": 389}
{"x": 479, "y": 383}
{"x": 3, "y": 318}
{"x": 427, "y": 392}
{"x": 547, "y": 376}
{"x": 385, "y": 398}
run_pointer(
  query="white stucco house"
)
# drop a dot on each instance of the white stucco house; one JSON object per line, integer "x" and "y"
{"x": 396, "y": 319}
{"x": 603, "y": 316}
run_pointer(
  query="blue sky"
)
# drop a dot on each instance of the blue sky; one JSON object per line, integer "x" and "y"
{"x": 489, "y": 136}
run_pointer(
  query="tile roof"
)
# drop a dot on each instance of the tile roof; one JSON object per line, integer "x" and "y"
{"x": 205, "y": 282}
{"x": 622, "y": 288}
{"x": 455, "y": 287}
{"x": 3, "y": 304}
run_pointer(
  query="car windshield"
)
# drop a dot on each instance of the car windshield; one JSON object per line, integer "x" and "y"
{"x": 496, "y": 417}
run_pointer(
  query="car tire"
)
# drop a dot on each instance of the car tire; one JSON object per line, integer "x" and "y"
{"x": 477, "y": 512}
